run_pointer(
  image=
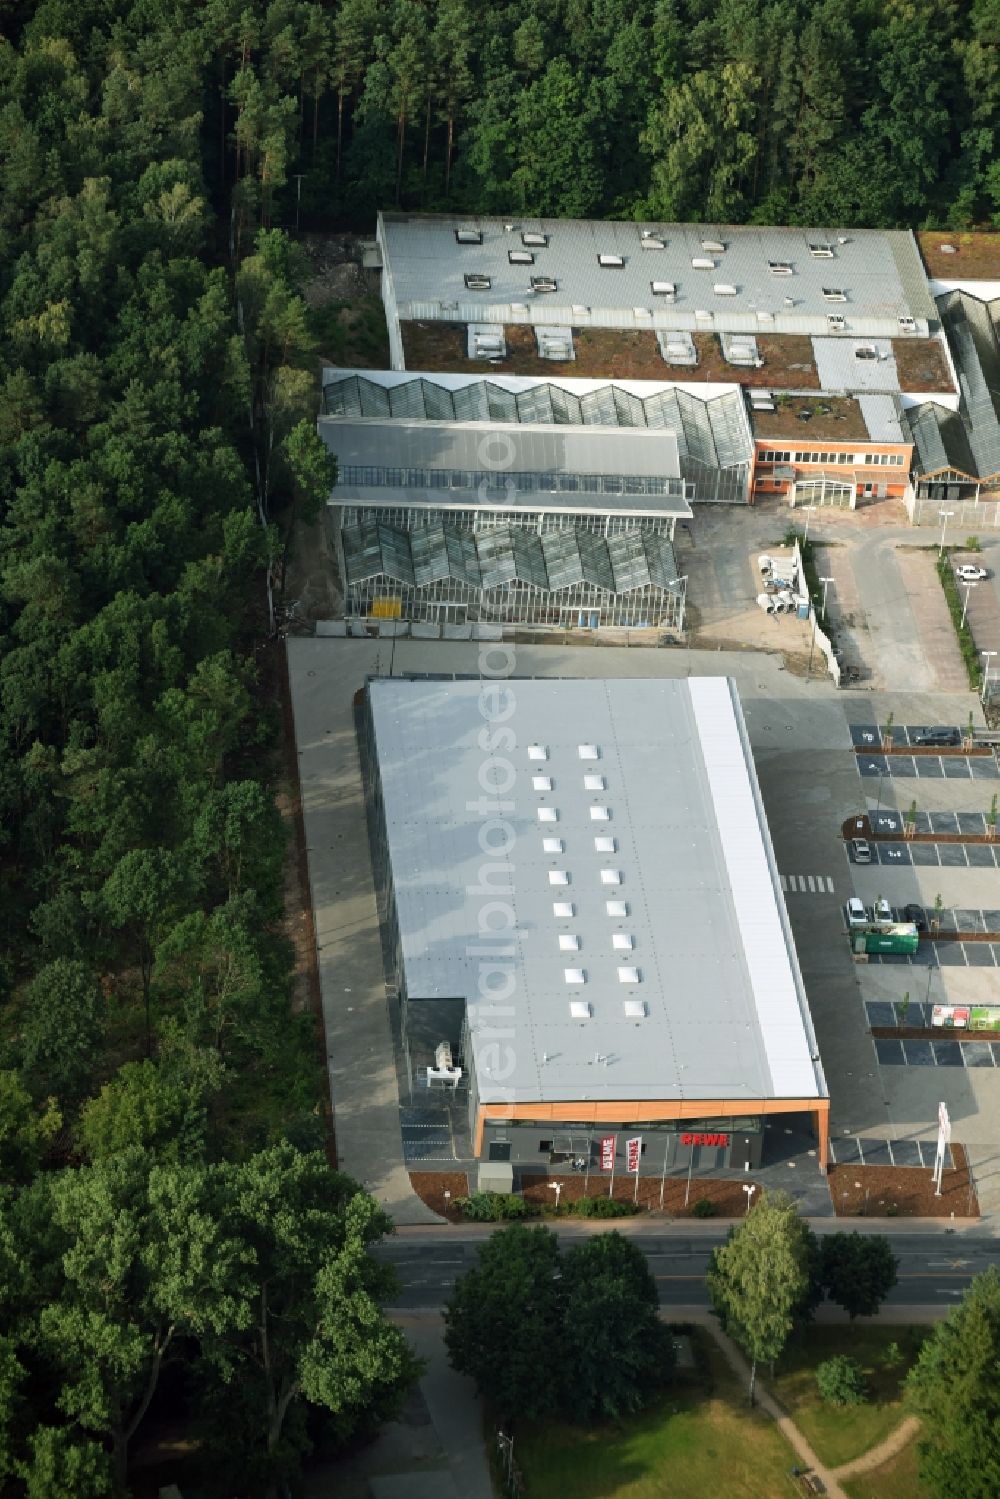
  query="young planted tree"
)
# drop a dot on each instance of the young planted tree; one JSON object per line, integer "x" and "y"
{"x": 759, "y": 1277}
{"x": 859, "y": 1271}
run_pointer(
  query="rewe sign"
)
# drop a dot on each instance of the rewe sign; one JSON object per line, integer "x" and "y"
{"x": 704, "y": 1139}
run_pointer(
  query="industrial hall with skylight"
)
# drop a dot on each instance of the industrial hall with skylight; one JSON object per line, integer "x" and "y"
{"x": 596, "y": 953}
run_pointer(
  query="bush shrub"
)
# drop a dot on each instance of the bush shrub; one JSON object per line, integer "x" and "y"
{"x": 602, "y": 1207}
{"x": 703, "y": 1208}
{"x": 493, "y": 1207}
{"x": 841, "y": 1381}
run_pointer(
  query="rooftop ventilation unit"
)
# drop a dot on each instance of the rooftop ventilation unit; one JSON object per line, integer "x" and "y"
{"x": 569, "y": 942}
{"x": 543, "y": 283}
{"x": 579, "y": 1010}
{"x": 780, "y": 267}
{"x": 552, "y": 845}
{"x": 469, "y": 236}
{"x": 558, "y": 876}
{"x": 702, "y": 263}
{"x": 541, "y": 783}
{"x": 628, "y": 975}
{"x": 600, "y": 814}
{"x": 716, "y": 246}
{"x": 593, "y": 783}
{"x": 651, "y": 241}
{"x": 563, "y": 908}
{"x": 537, "y": 752}
{"x": 820, "y": 249}
{"x": 605, "y": 845}
{"x": 836, "y": 322}
{"x": 663, "y": 289}
{"x": 723, "y": 289}
{"x": 520, "y": 257}
{"x": 588, "y": 752}
{"x": 866, "y": 352}
{"x": 534, "y": 241}
{"x": 611, "y": 876}
{"x": 907, "y": 324}
{"x": 616, "y": 907}
{"x": 574, "y": 976}
{"x": 834, "y": 294}
{"x": 621, "y": 942}
{"x": 635, "y": 1009}
{"x": 548, "y": 814}
{"x": 476, "y": 282}
{"x": 611, "y": 262}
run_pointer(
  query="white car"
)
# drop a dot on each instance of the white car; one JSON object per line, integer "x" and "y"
{"x": 882, "y": 911}
{"x": 969, "y": 572}
{"x": 855, "y": 912}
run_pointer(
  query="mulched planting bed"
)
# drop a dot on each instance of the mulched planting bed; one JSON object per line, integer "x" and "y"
{"x": 430, "y": 1187}
{"x": 902, "y": 1191}
{"x": 850, "y": 829}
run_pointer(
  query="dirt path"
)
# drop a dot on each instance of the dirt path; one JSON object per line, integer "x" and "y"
{"x": 767, "y": 1402}
{"x": 876, "y": 1456}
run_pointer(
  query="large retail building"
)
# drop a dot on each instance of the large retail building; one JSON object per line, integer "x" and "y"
{"x": 579, "y": 896}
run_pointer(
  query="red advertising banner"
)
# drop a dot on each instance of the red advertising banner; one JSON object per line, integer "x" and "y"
{"x": 608, "y": 1152}
{"x": 633, "y": 1150}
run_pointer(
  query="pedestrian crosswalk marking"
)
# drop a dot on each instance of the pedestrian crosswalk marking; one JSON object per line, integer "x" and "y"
{"x": 807, "y": 884}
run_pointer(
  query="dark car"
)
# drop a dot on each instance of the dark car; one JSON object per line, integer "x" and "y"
{"x": 917, "y": 915}
{"x": 938, "y": 736}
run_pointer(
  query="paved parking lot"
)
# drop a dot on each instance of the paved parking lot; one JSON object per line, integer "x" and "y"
{"x": 929, "y": 767}
{"x": 937, "y": 855}
{"x": 901, "y": 736}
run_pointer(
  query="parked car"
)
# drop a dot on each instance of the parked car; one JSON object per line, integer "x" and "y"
{"x": 939, "y": 735}
{"x": 861, "y": 851}
{"x": 855, "y": 912}
{"x": 882, "y": 911}
{"x": 917, "y": 915}
{"x": 971, "y": 572}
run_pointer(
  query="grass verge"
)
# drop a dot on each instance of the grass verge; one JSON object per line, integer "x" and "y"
{"x": 837, "y": 1433}
{"x": 966, "y": 644}
{"x": 698, "y": 1439}
{"x": 896, "y": 1479}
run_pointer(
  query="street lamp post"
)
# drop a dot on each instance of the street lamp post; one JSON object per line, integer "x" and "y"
{"x": 556, "y": 1187}
{"x": 826, "y": 583}
{"x": 986, "y": 674}
{"x": 965, "y": 607}
{"x": 945, "y": 517}
{"x": 808, "y": 509}
{"x": 684, "y": 591}
{"x": 749, "y": 1189}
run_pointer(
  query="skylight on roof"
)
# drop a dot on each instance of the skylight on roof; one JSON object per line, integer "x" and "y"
{"x": 548, "y": 814}
{"x": 663, "y": 288}
{"x": 724, "y": 289}
{"x": 574, "y": 976}
{"x": 611, "y": 262}
{"x": 588, "y": 752}
{"x": 579, "y": 1010}
{"x": 543, "y": 283}
{"x": 605, "y": 845}
{"x": 469, "y": 236}
{"x": 534, "y": 240}
{"x": 621, "y": 941}
{"x": 552, "y": 845}
{"x": 616, "y": 907}
{"x": 519, "y": 309}
{"x": 520, "y": 257}
{"x": 703, "y": 314}
{"x": 558, "y": 876}
{"x": 476, "y": 282}
{"x": 537, "y": 752}
{"x": 541, "y": 783}
{"x": 628, "y": 975}
{"x": 563, "y": 908}
{"x": 821, "y": 249}
{"x": 611, "y": 876}
{"x": 594, "y": 783}
{"x": 700, "y": 263}
{"x": 834, "y": 294}
{"x": 780, "y": 267}
{"x": 641, "y": 312}
{"x": 717, "y": 246}
{"x": 651, "y": 241}
{"x": 600, "y": 814}
{"x": 635, "y": 1009}
{"x": 579, "y": 310}
{"x": 569, "y": 942}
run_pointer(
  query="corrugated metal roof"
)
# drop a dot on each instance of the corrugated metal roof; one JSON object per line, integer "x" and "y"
{"x": 881, "y": 414}
{"x": 879, "y": 270}
{"x": 839, "y": 368}
{"x": 726, "y": 1013}
{"x": 971, "y": 326}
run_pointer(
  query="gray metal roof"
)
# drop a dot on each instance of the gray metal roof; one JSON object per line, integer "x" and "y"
{"x": 726, "y": 1015}
{"x": 879, "y": 271}
{"x": 971, "y": 325}
{"x": 839, "y": 368}
{"x": 882, "y": 418}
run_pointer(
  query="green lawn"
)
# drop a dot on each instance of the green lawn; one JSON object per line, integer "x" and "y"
{"x": 838, "y": 1434}
{"x": 691, "y": 1444}
{"x": 896, "y": 1479}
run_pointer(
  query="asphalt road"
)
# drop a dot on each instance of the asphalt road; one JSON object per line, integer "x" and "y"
{"x": 933, "y": 1270}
